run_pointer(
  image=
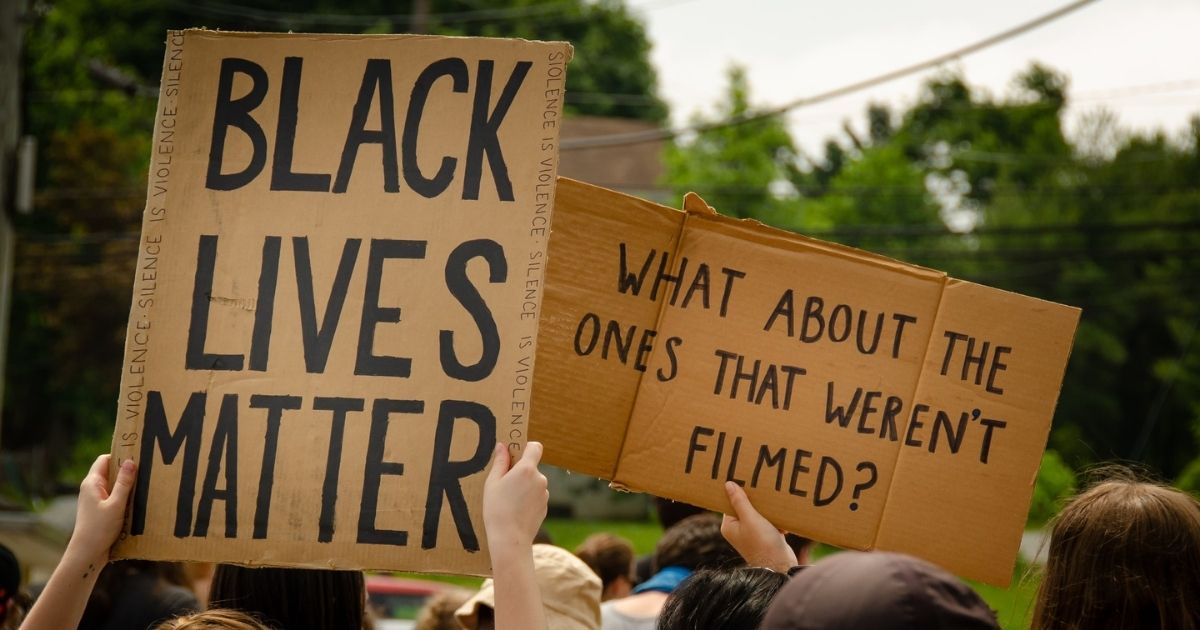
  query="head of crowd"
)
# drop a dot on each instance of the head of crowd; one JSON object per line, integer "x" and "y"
{"x": 1122, "y": 553}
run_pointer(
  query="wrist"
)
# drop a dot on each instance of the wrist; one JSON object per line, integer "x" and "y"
{"x": 509, "y": 546}
{"x": 83, "y": 553}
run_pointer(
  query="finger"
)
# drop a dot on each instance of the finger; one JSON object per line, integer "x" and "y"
{"x": 739, "y": 500}
{"x": 500, "y": 461}
{"x": 100, "y": 466}
{"x": 124, "y": 484}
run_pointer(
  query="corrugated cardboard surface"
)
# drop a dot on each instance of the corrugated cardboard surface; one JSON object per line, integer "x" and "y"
{"x": 588, "y": 430}
{"x": 863, "y": 482}
{"x": 431, "y": 323}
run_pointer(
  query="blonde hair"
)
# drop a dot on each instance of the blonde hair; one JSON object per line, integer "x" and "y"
{"x": 1123, "y": 554}
{"x": 215, "y": 619}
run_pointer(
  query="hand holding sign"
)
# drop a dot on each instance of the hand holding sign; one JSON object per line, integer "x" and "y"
{"x": 514, "y": 499}
{"x": 754, "y": 537}
{"x": 101, "y": 511}
{"x": 514, "y": 505}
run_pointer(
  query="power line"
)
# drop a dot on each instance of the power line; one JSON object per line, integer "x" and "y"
{"x": 667, "y": 133}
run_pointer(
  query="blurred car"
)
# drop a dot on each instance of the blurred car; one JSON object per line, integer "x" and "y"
{"x": 395, "y": 602}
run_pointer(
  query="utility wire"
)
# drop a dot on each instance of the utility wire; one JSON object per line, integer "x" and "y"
{"x": 667, "y": 133}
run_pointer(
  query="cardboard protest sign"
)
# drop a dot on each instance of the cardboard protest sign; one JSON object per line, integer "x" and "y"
{"x": 860, "y": 401}
{"x": 336, "y": 300}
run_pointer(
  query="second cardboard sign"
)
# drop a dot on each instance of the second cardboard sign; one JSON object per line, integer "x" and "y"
{"x": 859, "y": 400}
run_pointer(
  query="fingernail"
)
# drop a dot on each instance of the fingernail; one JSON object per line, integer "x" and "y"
{"x": 127, "y": 465}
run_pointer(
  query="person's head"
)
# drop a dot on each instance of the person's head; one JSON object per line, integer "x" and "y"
{"x": 1123, "y": 554}
{"x": 611, "y": 558}
{"x": 292, "y": 598}
{"x": 117, "y": 576}
{"x": 216, "y": 619}
{"x": 670, "y": 512}
{"x": 438, "y": 611}
{"x": 721, "y": 600}
{"x": 570, "y": 593}
{"x": 10, "y": 584}
{"x": 884, "y": 591}
{"x": 696, "y": 543}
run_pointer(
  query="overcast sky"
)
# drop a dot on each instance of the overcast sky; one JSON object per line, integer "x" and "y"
{"x": 1138, "y": 58}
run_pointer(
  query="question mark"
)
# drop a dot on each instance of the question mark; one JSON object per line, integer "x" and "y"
{"x": 861, "y": 487}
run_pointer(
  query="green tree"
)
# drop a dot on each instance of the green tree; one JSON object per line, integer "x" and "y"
{"x": 734, "y": 167}
{"x": 992, "y": 189}
{"x": 77, "y": 250}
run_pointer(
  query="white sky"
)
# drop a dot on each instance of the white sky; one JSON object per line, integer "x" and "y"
{"x": 802, "y": 47}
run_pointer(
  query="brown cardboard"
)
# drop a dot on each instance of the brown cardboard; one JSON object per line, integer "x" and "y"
{"x": 868, "y": 484}
{"x": 435, "y": 248}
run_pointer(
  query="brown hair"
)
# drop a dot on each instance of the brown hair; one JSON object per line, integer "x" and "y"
{"x": 217, "y": 619}
{"x": 438, "y": 612}
{"x": 696, "y": 543}
{"x": 610, "y": 556}
{"x": 1123, "y": 554}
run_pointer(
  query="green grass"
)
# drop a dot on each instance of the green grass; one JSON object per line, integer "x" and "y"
{"x": 568, "y": 533}
{"x": 1013, "y": 605}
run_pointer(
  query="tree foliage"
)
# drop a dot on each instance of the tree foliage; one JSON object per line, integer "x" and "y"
{"x": 992, "y": 189}
{"x": 77, "y": 251}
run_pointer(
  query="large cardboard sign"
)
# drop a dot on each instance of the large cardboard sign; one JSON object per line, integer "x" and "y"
{"x": 337, "y": 295}
{"x": 860, "y": 401}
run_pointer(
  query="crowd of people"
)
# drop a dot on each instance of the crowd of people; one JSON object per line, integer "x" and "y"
{"x": 1124, "y": 553}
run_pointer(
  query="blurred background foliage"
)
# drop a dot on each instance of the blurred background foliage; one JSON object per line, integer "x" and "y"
{"x": 989, "y": 188}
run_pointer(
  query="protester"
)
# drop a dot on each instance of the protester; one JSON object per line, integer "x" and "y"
{"x": 438, "y": 611}
{"x": 691, "y": 544}
{"x": 12, "y": 600}
{"x": 216, "y": 619}
{"x": 611, "y": 557}
{"x": 669, "y": 513}
{"x": 98, "y": 521}
{"x": 295, "y": 599}
{"x": 138, "y": 594}
{"x": 721, "y": 599}
{"x": 570, "y": 593}
{"x": 1123, "y": 554}
{"x": 878, "y": 590}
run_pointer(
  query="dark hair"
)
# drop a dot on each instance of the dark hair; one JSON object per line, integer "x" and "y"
{"x": 1123, "y": 554}
{"x": 610, "y": 556}
{"x": 294, "y": 599}
{"x": 721, "y": 600}
{"x": 696, "y": 543}
{"x": 670, "y": 512}
{"x": 110, "y": 600}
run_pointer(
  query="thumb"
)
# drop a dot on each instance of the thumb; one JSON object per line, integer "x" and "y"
{"x": 741, "y": 503}
{"x": 124, "y": 484}
{"x": 532, "y": 454}
{"x": 500, "y": 462}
